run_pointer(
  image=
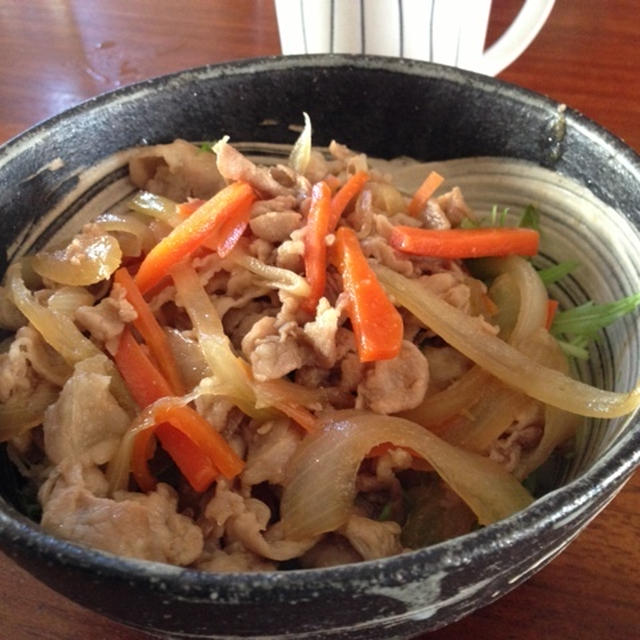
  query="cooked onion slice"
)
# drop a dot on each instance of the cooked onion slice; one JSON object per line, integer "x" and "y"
{"x": 135, "y": 236}
{"x": 301, "y": 151}
{"x": 320, "y": 489}
{"x": 57, "y": 329}
{"x": 149, "y": 204}
{"x": 502, "y": 360}
{"x": 87, "y": 259}
{"x": 276, "y": 277}
{"x": 523, "y": 286}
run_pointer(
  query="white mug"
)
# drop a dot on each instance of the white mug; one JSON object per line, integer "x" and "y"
{"x": 448, "y": 32}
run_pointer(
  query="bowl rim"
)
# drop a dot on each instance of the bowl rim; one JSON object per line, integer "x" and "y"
{"x": 600, "y": 482}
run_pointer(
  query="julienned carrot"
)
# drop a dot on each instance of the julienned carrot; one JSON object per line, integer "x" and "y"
{"x": 465, "y": 243}
{"x": 315, "y": 246}
{"x": 207, "y": 223}
{"x": 198, "y": 450}
{"x": 424, "y": 192}
{"x": 192, "y": 424}
{"x": 151, "y": 331}
{"x": 192, "y": 461}
{"x": 376, "y": 323}
{"x": 185, "y": 209}
{"x": 144, "y": 381}
{"x": 552, "y": 308}
{"x": 349, "y": 190}
{"x": 147, "y": 385}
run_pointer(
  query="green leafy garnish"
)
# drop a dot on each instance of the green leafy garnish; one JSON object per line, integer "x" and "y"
{"x": 575, "y": 328}
{"x": 530, "y": 218}
{"x": 557, "y": 272}
{"x": 206, "y": 146}
{"x": 587, "y": 319}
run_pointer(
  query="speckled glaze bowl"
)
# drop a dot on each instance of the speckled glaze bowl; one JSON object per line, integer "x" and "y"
{"x": 386, "y": 108}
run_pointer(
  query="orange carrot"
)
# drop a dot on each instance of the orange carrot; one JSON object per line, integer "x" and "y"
{"x": 552, "y": 307}
{"x": 198, "y": 449}
{"x": 144, "y": 381}
{"x": 349, "y": 190}
{"x": 185, "y": 209}
{"x": 376, "y": 323}
{"x": 315, "y": 247}
{"x": 192, "y": 461}
{"x": 192, "y": 424}
{"x": 207, "y": 223}
{"x": 424, "y": 192}
{"x": 465, "y": 243}
{"x": 151, "y": 331}
{"x": 143, "y": 448}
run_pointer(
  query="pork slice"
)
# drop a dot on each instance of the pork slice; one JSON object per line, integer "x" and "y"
{"x": 273, "y": 351}
{"x": 372, "y": 539}
{"x": 275, "y": 226}
{"x": 390, "y": 386}
{"x": 270, "y": 449}
{"x": 454, "y": 207}
{"x": 232, "y": 165}
{"x": 321, "y": 333}
{"x": 85, "y": 423}
{"x": 105, "y": 320}
{"x": 16, "y": 373}
{"x": 145, "y": 526}
{"x": 232, "y": 559}
{"x": 177, "y": 171}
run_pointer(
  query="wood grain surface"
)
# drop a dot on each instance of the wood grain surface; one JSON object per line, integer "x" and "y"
{"x": 56, "y": 53}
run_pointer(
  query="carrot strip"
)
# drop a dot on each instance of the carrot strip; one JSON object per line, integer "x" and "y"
{"x": 349, "y": 190}
{"x": 144, "y": 381}
{"x": 197, "y": 449}
{"x": 552, "y": 308}
{"x": 424, "y": 192}
{"x": 376, "y": 323}
{"x": 315, "y": 247}
{"x": 151, "y": 331}
{"x": 204, "y": 435}
{"x": 206, "y": 223}
{"x": 185, "y": 209}
{"x": 465, "y": 243}
{"x": 143, "y": 448}
{"x": 193, "y": 463}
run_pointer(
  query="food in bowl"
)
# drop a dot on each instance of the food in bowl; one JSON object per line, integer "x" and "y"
{"x": 250, "y": 368}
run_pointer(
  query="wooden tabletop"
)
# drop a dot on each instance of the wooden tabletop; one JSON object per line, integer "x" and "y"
{"x": 54, "y": 54}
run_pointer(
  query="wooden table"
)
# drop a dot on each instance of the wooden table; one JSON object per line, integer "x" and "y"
{"x": 57, "y": 53}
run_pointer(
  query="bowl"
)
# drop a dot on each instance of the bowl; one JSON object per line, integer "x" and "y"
{"x": 386, "y": 108}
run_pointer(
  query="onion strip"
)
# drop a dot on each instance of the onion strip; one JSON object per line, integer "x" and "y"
{"x": 320, "y": 489}
{"x": 276, "y": 277}
{"x": 502, "y": 360}
{"x": 60, "y": 332}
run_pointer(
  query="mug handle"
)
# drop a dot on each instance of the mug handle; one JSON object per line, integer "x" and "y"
{"x": 516, "y": 38}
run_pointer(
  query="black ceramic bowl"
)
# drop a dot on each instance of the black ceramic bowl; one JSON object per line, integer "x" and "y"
{"x": 386, "y": 108}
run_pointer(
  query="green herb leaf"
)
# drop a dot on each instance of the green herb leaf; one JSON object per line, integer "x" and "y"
{"x": 587, "y": 319}
{"x": 530, "y": 218}
{"x": 206, "y": 146}
{"x": 557, "y": 272}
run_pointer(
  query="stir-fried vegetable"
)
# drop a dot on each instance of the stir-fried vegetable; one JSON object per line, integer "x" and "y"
{"x": 502, "y": 360}
{"x": 219, "y": 220}
{"x": 194, "y": 445}
{"x": 424, "y": 192}
{"x": 376, "y": 323}
{"x": 87, "y": 259}
{"x": 465, "y": 243}
{"x": 320, "y": 492}
{"x": 315, "y": 245}
{"x": 349, "y": 190}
